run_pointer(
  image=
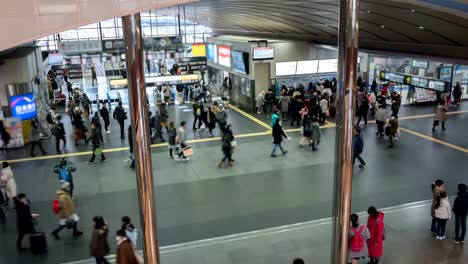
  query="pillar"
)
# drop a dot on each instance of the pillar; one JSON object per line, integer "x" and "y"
{"x": 140, "y": 126}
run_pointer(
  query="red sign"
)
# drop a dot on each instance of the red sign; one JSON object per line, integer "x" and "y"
{"x": 224, "y": 56}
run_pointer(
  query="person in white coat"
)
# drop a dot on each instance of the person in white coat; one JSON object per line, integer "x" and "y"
{"x": 443, "y": 212}
{"x": 7, "y": 181}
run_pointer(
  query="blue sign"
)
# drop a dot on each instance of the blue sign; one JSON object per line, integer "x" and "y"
{"x": 238, "y": 61}
{"x": 211, "y": 53}
{"x": 23, "y": 106}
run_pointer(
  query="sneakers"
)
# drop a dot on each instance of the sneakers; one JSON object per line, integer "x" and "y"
{"x": 273, "y": 155}
{"x": 361, "y": 165}
{"x": 108, "y": 132}
{"x": 285, "y": 152}
{"x": 185, "y": 159}
{"x": 440, "y": 237}
{"x": 456, "y": 241}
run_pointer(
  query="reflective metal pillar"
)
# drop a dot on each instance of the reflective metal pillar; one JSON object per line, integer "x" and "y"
{"x": 346, "y": 94}
{"x": 140, "y": 127}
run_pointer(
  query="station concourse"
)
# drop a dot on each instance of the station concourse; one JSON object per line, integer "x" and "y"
{"x": 206, "y": 56}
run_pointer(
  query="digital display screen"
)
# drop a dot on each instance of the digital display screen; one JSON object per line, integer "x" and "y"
{"x": 307, "y": 67}
{"x": 199, "y": 50}
{"x": 23, "y": 106}
{"x": 212, "y": 53}
{"x": 286, "y": 68}
{"x": 224, "y": 56}
{"x": 328, "y": 66}
{"x": 238, "y": 62}
{"x": 264, "y": 53}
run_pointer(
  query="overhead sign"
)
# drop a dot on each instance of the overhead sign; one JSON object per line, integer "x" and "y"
{"x": 416, "y": 81}
{"x": 111, "y": 45}
{"x": 199, "y": 50}
{"x": 264, "y": 53}
{"x": 307, "y": 67}
{"x": 420, "y": 64}
{"x": 328, "y": 66}
{"x": 160, "y": 80}
{"x": 224, "y": 56}
{"x": 286, "y": 68}
{"x": 74, "y": 47}
{"x": 23, "y": 106}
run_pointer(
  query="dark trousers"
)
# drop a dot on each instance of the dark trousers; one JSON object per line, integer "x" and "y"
{"x": 181, "y": 153}
{"x": 434, "y": 225}
{"x": 362, "y": 115}
{"x": 94, "y": 80}
{"x": 57, "y": 142}
{"x": 94, "y": 155}
{"x": 222, "y": 126}
{"x": 380, "y": 128}
{"x": 33, "y": 147}
{"x": 21, "y": 235}
{"x": 284, "y": 114}
{"x": 441, "y": 223}
{"x": 199, "y": 122}
{"x": 227, "y": 156}
{"x": 296, "y": 119}
{"x": 60, "y": 227}
{"x": 436, "y": 123}
{"x": 460, "y": 223}
{"x": 360, "y": 159}
{"x": 101, "y": 260}
{"x": 121, "y": 124}
{"x": 324, "y": 115}
{"x": 106, "y": 123}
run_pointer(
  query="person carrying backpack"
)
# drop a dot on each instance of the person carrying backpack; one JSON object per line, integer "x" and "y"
{"x": 358, "y": 235}
{"x": 121, "y": 116}
{"x": 64, "y": 170}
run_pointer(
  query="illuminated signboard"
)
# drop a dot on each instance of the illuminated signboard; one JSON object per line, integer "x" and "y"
{"x": 23, "y": 106}
{"x": 160, "y": 80}
{"x": 224, "y": 56}
{"x": 240, "y": 61}
{"x": 199, "y": 50}
{"x": 420, "y": 64}
{"x": 416, "y": 81}
{"x": 212, "y": 53}
{"x": 263, "y": 53}
{"x": 328, "y": 66}
{"x": 286, "y": 68}
{"x": 307, "y": 67}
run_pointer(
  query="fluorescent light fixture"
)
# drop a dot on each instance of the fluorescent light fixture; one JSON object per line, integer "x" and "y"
{"x": 368, "y": 11}
{"x": 412, "y": 10}
{"x": 421, "y": 27}
{"x": 382, "y": 26}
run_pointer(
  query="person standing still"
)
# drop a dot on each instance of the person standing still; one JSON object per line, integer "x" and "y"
{"x": 182, "y": 141}
{"x": 8, "y": 182}
{"x": 440, "y": 116}
{"x": 105, "y": 116}
{"x": 269, "y": 102}
{"x": 120, "y": 115}
{"x": 94, "y": 75}
{"x": 460, "y": 209}
{"x": 443, "y": 213}
{"x": 376, "y": 227}
{"x": 358, "y": 147}
{"x": 35, "y": 138}
{"x": 381, "y": 120}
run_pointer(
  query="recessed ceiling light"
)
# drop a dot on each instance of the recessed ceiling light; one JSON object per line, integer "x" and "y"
{"x": 421, "y": 27}
{"x": 368, "y": 11}
{"x": 382, "y": 26}
{"x": 412, "y": 10}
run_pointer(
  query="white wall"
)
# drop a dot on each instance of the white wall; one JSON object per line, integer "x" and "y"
{"x": 19, "y": 70}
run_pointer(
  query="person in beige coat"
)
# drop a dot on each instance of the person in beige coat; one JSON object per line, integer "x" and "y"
{"x": 66, "y": 214}
{"x": 7, "y": 182}
{"x": 440, "y": 116}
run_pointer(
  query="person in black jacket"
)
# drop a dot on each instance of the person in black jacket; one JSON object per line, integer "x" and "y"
{"x": 105, "y": 116}
{"x": 227, "y": 138}
{"x": 269, "y": 102}
{"x": 24, "y": 222}
{"x": 278, "y": 134}
{"x": 58, "y": 130}
{"x": 97, "y": 122}
{"x": 120, "y": 115}
{"x": 460, "y": 209}
{"x": 96, "y": 141}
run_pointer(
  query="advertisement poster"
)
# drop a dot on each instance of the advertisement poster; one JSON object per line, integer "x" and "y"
{"x": 212, "y": 53}
{"x": 14, "y": 127}
{"x": 238, "y": 62}
{"x": 224, "y": 56}
{"x": 23, "y": 106}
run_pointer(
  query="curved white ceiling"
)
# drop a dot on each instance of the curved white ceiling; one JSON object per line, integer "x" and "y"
{"x": 22, "y": 21}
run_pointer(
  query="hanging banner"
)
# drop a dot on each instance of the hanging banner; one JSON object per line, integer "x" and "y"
{"x": 77, "y": 47}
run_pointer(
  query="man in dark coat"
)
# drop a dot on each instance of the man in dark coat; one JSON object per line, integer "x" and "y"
{"x": 25, "y": 223}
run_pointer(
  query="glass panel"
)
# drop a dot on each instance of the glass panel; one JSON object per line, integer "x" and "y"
{"x": 108, "y": 33}
{"x": 166, "y": 30}
{"x": 69, "y": 34}
{"x": 108, "y": 23}
{"x": 88, "y": 34}
{"x": 146, "y": 31}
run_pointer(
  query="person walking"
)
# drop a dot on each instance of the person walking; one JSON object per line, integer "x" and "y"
{"x": 125, "y": 252}
{"x": 269, "y": 102}
{"x": 437, "y": 187}
{"x": 130, "y": 230}
{"x": 64, "y": 170}
{"x": 443, "y": 212}
{"x": 396, "y": 103}
{"x": 105, "y": 116}
{"x": 172, "y": 135}
{"x": 358, "y": 147}
{"x": 8, "y": 183}
{"x": 460, "y": 209}
{"x": 35, "y": 138}
{"x": 210, "y": 120}
{"x": 376, "y": 227}
{"x": 440, "y": 116}
{"x": 260, "y": 101}
{"x": 182, "y": 141}
{"x": 97, "y": 123}
{"x": 363, "y": 109}
{"x": 296, "y": 107}
{"x": 96, "y": 141}
{"x": 24, "y": 219}
{"x": 358, "y": 235}
{"x": 457, "y": 94}
{"x": 227, "y": 147}
{"x": 99, "y": 247}
{"x": 316, "y": 133}
{"x": 80, "y": 129}
{"x": 306, "y": 132}
{"x": 284, "y": 104}
{"x": 222, "y": 118}
{"x": 5, "y": 136}
{"x": 197, "y": 115}
{"x": 323, "y": 109}
{"x": 93, "y": 75}
{"x": 381, "y": 120}
{"x": 66, "y": 211}
{"x": 278, "y": 134}
{"x": 120, "y": 115}
{"x": 392, "y": 130}
{"x": 163, "y": 116}
{"x": 58, "y": 130}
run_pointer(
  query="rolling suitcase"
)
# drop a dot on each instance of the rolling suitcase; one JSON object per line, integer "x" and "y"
{"x": 38, "y": 243}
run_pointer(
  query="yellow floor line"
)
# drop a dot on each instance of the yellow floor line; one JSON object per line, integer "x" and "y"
{"x": 434, "y": 140}
{"x": 251, "y": 117}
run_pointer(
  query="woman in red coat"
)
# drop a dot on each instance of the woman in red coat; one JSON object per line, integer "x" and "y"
{"x": 375, "y": 224}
